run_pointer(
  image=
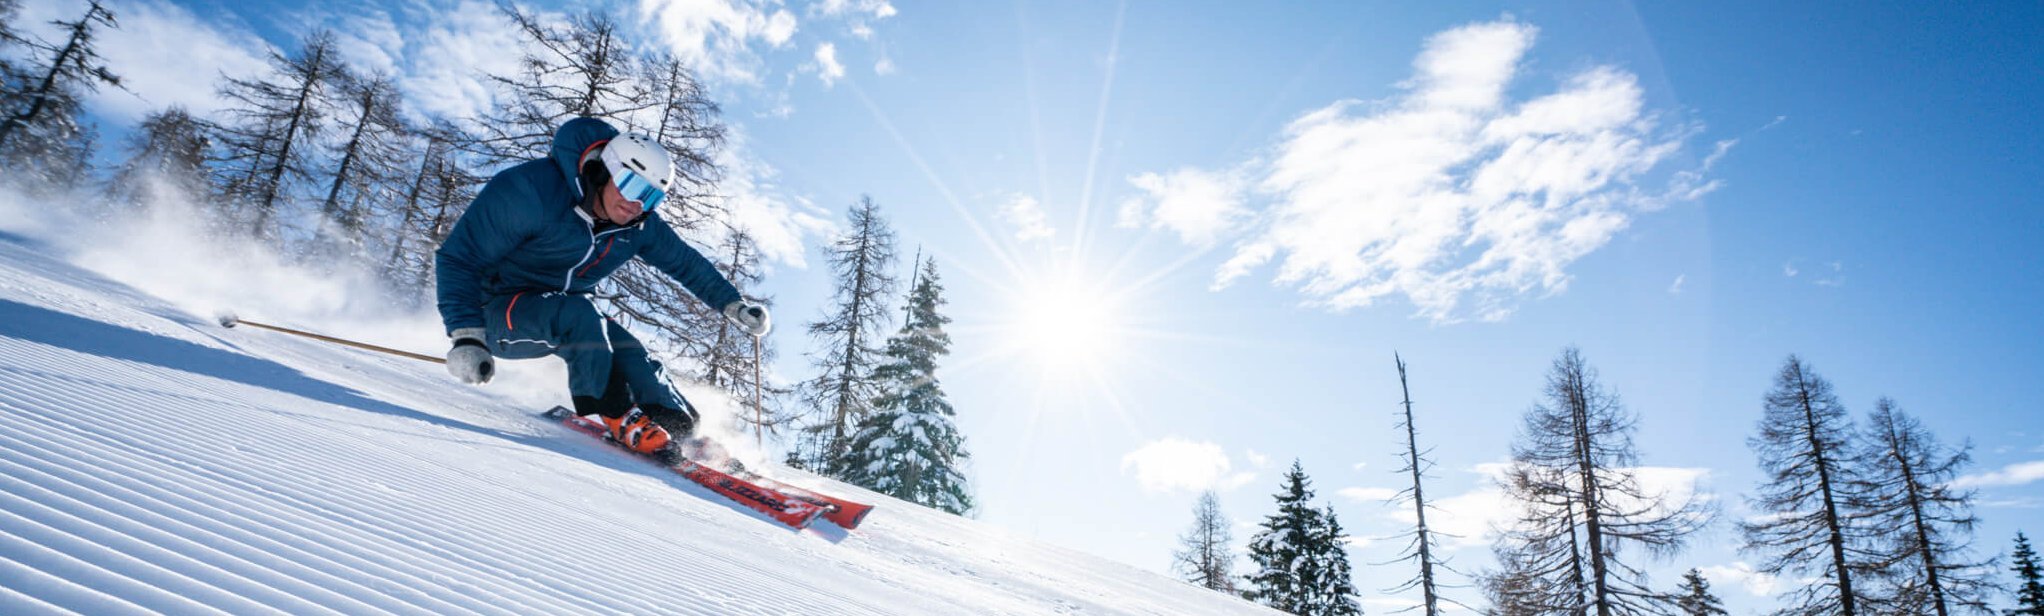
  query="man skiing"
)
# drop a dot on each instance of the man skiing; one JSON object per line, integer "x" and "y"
{"x": 516, "y": 272}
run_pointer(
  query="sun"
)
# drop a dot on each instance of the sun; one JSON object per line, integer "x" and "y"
{"x": 1066, "y": 323}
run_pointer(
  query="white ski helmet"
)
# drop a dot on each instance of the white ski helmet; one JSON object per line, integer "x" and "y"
{"x": 639, "y": 167}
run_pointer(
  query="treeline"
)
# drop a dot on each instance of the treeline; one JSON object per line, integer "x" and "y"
{"x": 329, "y": 164}
{"x": 1863, "y": 516}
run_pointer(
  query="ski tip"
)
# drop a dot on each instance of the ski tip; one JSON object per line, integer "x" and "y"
{"x": 558, "y": 413}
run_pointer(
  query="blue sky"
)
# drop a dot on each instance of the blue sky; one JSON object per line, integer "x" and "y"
{"x": 1183, "y": 240}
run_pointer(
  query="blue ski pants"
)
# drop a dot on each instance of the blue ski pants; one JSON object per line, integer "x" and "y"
{"x": 535, "y": 325}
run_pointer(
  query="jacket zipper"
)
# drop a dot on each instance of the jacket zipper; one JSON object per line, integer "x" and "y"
{"x": 568, "y": 281}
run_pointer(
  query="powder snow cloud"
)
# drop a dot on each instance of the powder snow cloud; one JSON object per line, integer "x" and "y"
{"x": 1450, "y": 194}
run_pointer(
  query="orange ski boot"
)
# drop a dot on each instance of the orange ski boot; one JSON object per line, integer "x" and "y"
{"x": 637, "y": 432}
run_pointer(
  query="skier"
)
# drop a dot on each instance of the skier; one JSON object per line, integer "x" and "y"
{"x": 516, "y": 272}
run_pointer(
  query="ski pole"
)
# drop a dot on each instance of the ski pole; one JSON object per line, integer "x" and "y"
{"x": 758, "y": 408}
{"x": 229, "y": 321}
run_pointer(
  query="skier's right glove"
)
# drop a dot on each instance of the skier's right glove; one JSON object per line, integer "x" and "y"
{"x": 469, "y": 360}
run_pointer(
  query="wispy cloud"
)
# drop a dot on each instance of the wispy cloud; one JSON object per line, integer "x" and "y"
{"x": 454, "y": 51}
{"x": 783, "y": 225}
{"x": 1676, "y": 287}
{"x": 827, "y": 67}
{"x": 716, "y": 37}
{"x": 1026, "y": 215}
{"x": 1756, "y": 583}
{"x": 152, "y": 33}
{"x": 1174, "y": 464}
{"x": 2020, "y": 473}
{"x": 1450, "y": 194}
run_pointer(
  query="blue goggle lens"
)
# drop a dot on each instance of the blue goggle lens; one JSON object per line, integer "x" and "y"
{"x": 635, "y": 187}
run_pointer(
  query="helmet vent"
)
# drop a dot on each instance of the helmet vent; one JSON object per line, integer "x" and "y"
{"x": 640, "y": 165}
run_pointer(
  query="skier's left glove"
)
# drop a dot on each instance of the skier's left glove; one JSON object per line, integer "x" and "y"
{"x": 469, "y": 360}
{"x": 750, "y": 316}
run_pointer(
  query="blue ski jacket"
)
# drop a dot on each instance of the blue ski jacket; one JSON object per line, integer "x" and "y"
{"x": 527, "y": 232}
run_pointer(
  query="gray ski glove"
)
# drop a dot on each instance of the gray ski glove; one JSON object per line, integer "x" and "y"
{"x": 469, "y": 360}
{"x": 750, "y": 316}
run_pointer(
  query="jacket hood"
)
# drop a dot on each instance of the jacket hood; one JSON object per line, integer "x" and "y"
{"x": 574, "y": 138}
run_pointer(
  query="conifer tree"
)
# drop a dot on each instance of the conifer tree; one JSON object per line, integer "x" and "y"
{"x": 1694, "y": 597}
{"x": 268, "y": 148}
{"x": 44, "y": 142}
{"x": 1805, "y": 448}
{"x": 1301, "y": 565}
{"x": 167, "y": 153}
{"x": 1920, "y": 528}
{"x": 1574, "y": 470}
{"x": 2029, "y": 580}
{"x": 840, "y": 396}
{"x": 1205, "y": 554}
{"x": 908, "y": 447}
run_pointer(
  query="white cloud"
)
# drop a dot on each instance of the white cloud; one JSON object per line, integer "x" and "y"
{"x": 878, "y": 9}
{"x": 1756, "y": 583}
{"x": 1676, "y": 287}
{"x": 2021, "y": 473}
{"x": 370, "y": 41}
{"x": 1467, "y": 520}
{"x": 1026, "y": 215}
{"x": 885, "y": 66}
{"x": 827, "y": 66}
{"x": 1368, "y": 495}
{"x": 446, "y": 68}
{"x": 167, "y": 56}
{"x": 1449, "y": 194}
{"x": 1256, "y": 459}
{"x": 1196, "y": 205}
{"x": 782, "y": 225}
{"x": 1177, "y": 464}
{"x": 715, "y": 37}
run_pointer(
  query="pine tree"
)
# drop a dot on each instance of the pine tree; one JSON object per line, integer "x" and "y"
{"x": 44, "y": 142}
{"x": 1302, "y": 566}
{"x": 2029, "y": 580}
{"x": 908, "y": 447}
{"x": 1920, "y": 528}
{"x": 268, "y": 149}
{"x": 1205, "y": 556}
{"x": 1694, "y": 597}
{"x": 1574, "y": 470}
{"x": 1420, "y": 550}
{"x": 167, "y": 157}
{"x": 1804, "y": 446}
{"x": 840, "y": 396}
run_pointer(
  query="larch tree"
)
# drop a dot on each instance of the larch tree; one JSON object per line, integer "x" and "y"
{"x": 1575, "y": 473}
{"x": 1804, "y": 524}
{"x": 276, "y": 121}
{"x": 1420, "y": 550}
{"x": 908, "y": 446}
{"x": 44, "y": 140}
{"x": 368, "y": 166}
{"x": 1919, "y": 527}
{"x": 1206, "y": 553}
{"x": 842, "y": 392}
{"x": 167, "y": 159}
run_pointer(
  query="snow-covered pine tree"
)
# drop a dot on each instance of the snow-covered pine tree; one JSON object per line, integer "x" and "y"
{"x": 1206, "y": 555}
{"x": 839, "y": 397}
{"x": 1919, "y": 527}
{"x": 1804, "y": 446}
{"x": 2029, "y": 588}
{"x": 1695, "y": 599}
{"x": 1298, "y": 568}
{"x": 1574, "y": 473}
{"x": 277, "y": 119}
{"x": 44, "y": 142}
{"x": 368, "y": 168}
{"x": 167, "y": 156}
{"x": 907, "y": 446}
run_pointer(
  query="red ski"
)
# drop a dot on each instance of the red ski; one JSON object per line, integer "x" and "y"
{"x": 844, "y": 513}
{"x": 784, "y": 508}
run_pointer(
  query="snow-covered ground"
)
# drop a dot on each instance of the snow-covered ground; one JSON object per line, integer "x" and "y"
{"x": 152, "y": 461}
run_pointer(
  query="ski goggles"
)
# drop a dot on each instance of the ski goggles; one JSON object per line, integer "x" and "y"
{"x": 635, "y": 187}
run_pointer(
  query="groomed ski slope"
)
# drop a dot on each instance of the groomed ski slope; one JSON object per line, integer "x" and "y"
{"x": 153, "y": 462}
